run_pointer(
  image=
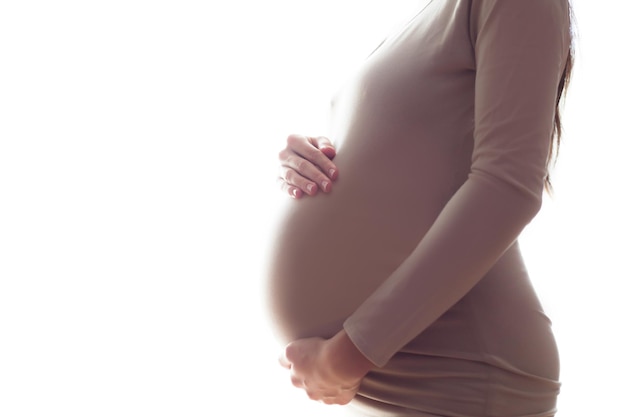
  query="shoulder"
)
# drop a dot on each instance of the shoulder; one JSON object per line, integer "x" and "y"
{"x": 482, "y": 10}
{"x": 501, "y": 16}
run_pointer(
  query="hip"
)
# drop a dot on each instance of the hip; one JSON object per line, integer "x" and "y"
{"x": 421, "y": 385}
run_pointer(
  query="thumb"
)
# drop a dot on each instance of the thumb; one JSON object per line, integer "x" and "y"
{"x": 284, "y": 362}
{"x": 325, "y": 145}
{"x": 290, "y": 355}
{"x": 329, "y": 152}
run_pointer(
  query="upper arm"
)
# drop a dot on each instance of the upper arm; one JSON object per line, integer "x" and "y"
{"x": 520, "y": 51}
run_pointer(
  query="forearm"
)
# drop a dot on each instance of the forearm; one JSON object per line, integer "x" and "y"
{"x": 346, "y": 359}
{"x": 478, "y": 224}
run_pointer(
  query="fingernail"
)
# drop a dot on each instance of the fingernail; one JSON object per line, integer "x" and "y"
{"x": 309, "y": 187}
{"x": 325, "y": 185}
{"x": 331, "y": 172}
{"x": 294, "y": 193}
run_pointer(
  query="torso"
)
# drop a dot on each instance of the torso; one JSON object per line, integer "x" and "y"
{"x": 404, "y": 131}
{"x": 401, "y": 155}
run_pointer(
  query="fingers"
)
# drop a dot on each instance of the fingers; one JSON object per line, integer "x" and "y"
{"x": 293, "y": 191}
{"x": 300, "y": 173}
{"x": 316, "y": 151}
{"x": 289, "y": 355}
{"x": 339, "y": 398}
{"x": 301, "y": 357}
{"x": 324, "y": 145}
{"x": 306, "y": 165}
{"x": 284, "y": 362}
{"x": 292, "y": 352}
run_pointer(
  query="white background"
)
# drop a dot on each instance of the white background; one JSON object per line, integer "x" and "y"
{"x": 138, "y": 147}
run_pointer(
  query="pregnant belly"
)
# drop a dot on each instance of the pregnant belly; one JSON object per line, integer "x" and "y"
{"x": 324, "y": 264}
{"x": 332, "y": 251}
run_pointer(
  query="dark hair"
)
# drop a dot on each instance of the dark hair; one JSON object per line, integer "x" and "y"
{"x": 557, "y": 130}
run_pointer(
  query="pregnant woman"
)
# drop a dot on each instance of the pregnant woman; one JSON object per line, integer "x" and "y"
{"x": 402, "y": 291}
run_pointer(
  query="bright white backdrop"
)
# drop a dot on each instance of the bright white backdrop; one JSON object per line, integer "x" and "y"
{"x": 138, "y": 149}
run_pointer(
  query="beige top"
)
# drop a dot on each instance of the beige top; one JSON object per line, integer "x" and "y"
{"x": 442, "y": 139}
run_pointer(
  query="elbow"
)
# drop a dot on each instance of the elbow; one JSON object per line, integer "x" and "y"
{"x": 519, "y": 194}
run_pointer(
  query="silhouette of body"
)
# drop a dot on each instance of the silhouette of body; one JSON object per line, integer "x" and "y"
{"x": 442, "y": 139}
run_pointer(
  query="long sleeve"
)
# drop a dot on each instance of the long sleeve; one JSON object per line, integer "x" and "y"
{"x": 520, "y": 48}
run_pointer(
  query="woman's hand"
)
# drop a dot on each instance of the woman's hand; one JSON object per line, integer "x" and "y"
{"x": 306, "y": 165}
{"x": 328, "y": 370}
